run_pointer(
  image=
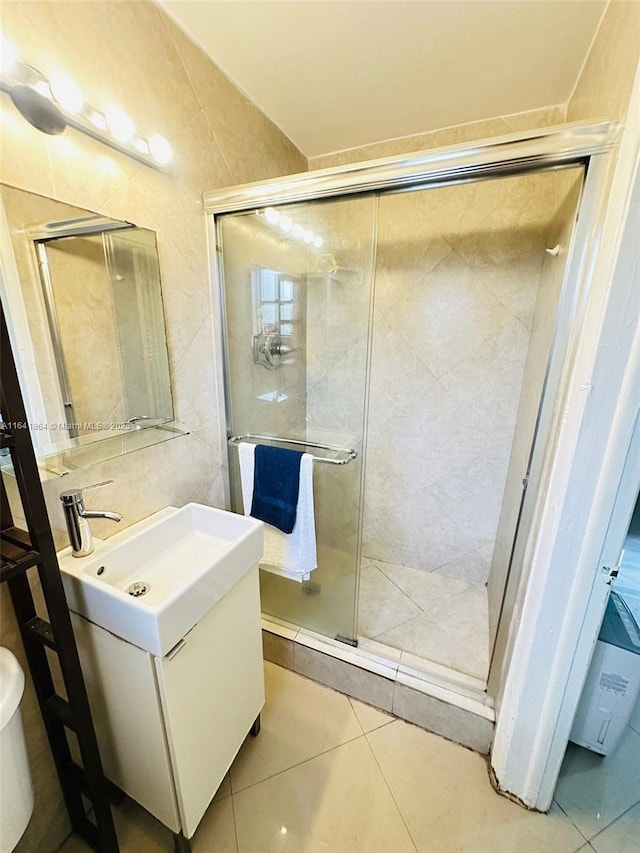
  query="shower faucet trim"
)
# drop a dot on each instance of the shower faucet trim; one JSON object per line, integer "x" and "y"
{"x": 269, "y": 350}
{"x": 77, "y": 519}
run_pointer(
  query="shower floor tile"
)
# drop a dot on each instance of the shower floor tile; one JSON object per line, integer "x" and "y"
{"x": 383, "y": 605}
{"x": 437, "y": 618}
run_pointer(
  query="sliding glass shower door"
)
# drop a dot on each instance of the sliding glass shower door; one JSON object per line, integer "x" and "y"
{"x": 468, "y": 287}
{"x": 410, "y": 331}
{"x": 297, "y": 302}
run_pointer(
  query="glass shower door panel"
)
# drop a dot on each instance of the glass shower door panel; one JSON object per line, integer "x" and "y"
{"x": 297, "y": 297}
{"x": 467, "y": 285}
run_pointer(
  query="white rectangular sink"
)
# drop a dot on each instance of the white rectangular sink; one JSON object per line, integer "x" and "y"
{"x": 182, "y": 560}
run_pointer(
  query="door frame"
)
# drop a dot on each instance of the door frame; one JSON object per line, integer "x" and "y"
{"x": 579, "y": 522}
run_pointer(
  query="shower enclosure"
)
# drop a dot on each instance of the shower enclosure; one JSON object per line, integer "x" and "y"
{"x": 412, "y": 336}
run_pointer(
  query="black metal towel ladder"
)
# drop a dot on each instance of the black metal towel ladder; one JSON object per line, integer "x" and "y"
{"x": 20, "y": 551}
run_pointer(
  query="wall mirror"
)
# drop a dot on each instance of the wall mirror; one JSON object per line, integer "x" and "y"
{"x": 83, "y": 299}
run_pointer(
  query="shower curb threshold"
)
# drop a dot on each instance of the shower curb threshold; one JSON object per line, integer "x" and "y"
{"x": 453, "y": 705}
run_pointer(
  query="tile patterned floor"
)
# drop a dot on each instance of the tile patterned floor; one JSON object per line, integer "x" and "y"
{"x": 330, "y": 775}
{"x": 432, "y": 616}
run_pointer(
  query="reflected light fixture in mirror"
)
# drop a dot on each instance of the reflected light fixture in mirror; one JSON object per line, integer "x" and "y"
{"x": 286, "y": 224}
{"x": 53, "y": 105}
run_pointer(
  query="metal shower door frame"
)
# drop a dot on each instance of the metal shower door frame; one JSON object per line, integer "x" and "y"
{"x": 578, "y": 144}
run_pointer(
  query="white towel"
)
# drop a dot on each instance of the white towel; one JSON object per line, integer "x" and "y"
{"x": 293, "y": 555}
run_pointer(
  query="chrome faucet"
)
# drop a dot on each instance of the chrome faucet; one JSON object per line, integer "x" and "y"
{"x": 77, "y": 519}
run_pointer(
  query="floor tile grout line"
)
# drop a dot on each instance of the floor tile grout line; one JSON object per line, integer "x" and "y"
{"x": 222, "y": 796}
{"x": 235, "y": 822}
{"x": 298, "y": 764}
{"x": 384, "y": 725}
{"x": 388, "y": 786}
{"x": 391, "y": 581}
{"x": 571, "y": 821}
{"x": 376, "y": 637}
{"x": 391, "y": 719}
{"x": 355, "y": 715}
{"x": 615, "y": 820}
{"x": 426, "y": 612}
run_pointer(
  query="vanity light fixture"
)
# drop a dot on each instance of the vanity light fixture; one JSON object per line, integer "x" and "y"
{"x": 120, "y": 125}
{"x": 286, "y": 224}
{"x": 53, "y": 105}
{"x": 67, "y": 93}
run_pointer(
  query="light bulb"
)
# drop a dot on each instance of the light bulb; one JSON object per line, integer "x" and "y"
{"x": 120, "y": 125}
{"x": 67, "y": 93}
{"x": 42, "y": 88}
{"x": 308, "y": 236}
{"x": 8, "y": 56}
{"x": 141, "y": 145}
{"x": 297, "y": 230}
{"x": 98, "y": 120}
{"x": 160, "y": 150}
{"x": 318, "y": 242}
{"x": 272, "y": 215}
{"x": 286, "y": 223}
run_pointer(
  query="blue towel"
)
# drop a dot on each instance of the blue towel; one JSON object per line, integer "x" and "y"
{"x": 276, "y": 483}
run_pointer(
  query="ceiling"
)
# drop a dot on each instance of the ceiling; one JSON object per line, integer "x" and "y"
{"x": 335, "y": 75}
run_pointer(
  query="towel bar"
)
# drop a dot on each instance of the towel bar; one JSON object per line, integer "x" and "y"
{"x": 348, "y": 454}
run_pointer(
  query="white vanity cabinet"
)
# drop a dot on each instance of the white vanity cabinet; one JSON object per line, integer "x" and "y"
{"x": 169, "y": 727}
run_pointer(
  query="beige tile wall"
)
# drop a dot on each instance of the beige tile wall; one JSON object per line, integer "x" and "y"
{"x": 88, "y": 330}
{"x": 399, "y": 508}
{"x": 457, "y": 135}
{"x": 130, "y": 54}
{"x": 250, "y": 245}
{"x": 337, "y": 340}
{"x": 457, "y": 277}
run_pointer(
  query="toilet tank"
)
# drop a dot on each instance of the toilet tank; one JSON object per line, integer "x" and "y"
{"x": 16, "y": 806}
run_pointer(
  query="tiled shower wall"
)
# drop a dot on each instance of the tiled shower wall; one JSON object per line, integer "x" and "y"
{"x": 339, "y": 296}
{"x": 264, "y": 401}
{"x": 566, "y": 185}
{"x": 457, "y": 277}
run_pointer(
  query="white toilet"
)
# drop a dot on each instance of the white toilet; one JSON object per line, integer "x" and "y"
{"x": 16, "y": 802}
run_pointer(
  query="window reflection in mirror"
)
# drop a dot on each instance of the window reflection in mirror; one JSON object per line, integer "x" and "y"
{"x": 84, "y": 304}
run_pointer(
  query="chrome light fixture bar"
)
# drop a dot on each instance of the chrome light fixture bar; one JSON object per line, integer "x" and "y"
{"x": 53, "y": 105}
